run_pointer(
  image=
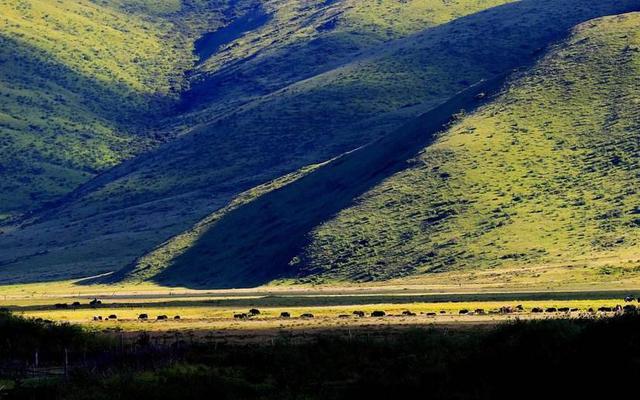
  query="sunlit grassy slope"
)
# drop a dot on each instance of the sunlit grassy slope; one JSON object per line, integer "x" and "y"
{"x": 546, "y": 174}
{"x": 136, "y": 204}
{"x": 76, "y": 79}
{"x": 316, "y": 80}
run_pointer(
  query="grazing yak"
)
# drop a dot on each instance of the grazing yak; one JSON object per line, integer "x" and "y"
{"x": 143, "y": 316}
{"x": 113, "y": 316}
{"x": 431, "y": 314}
{"x": 61, "y": 306}
{"x": 359, "y": 313}
{"x": 176, "y": 317}
{"x": 285, "y": 314}
{"x": 479, "y": 311}
{"x": 463, "y": 311}
{"x": 630, "y": 308}
{"x": 537, "y": 310}
{"x": 240, "y": 316}
{"x": 378, "y": 314}
{"x": 97, "y": 318}
{"x": 162, "y": 318}
{"x": 551, "y": 309}
{"x": 254, "y": 311}
{"x": 408, "y": 313}
{"x": 306, "y": 315}
{"x": 629, "y": 299}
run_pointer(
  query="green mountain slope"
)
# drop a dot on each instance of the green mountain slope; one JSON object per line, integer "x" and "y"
{"x": 545, "y": 174}
{"x": 77, "y": 79}
{"x": 251, "y": 128}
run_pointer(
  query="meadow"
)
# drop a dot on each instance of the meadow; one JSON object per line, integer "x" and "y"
{"x": 213, "y": 314}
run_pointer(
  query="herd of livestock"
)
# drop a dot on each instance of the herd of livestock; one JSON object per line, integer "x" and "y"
{"x": 254, "y": 312}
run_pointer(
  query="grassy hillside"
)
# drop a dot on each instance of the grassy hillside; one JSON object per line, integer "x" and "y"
{"x": 546, "y": 174}
{"x": 263, "y": 128}
{"x": 302, "y": 39}
{"x": 253, "y": 241}
{"x": 542, "y": 175}
{"x": 77, "y": 79}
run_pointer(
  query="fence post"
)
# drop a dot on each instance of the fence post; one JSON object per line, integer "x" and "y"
{"x": 66, "y": 363}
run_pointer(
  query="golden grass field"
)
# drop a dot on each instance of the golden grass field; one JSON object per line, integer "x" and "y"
{"x": 210, "y": 314}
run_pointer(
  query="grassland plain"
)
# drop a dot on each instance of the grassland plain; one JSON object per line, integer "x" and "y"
{"x": 134, "y": 207}
{"x": 535, "y": 186}
{"x": 211, "y": 313}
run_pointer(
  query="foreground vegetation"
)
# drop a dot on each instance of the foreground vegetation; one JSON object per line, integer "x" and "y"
{"x": 523, "y": 359}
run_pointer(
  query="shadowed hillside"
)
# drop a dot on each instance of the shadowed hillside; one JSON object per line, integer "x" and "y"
{"x": 253, "y": 243}
{"x": 544, "y": 173}
{"x": 276, "y": 126}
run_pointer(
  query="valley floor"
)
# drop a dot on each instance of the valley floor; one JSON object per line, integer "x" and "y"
{"x": 218, "y": 315}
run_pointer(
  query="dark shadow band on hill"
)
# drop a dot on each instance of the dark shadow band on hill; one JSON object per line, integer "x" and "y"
{"x": 211, "y": 42}
{"x": 253, "y": 244}
{"x": 224, "y": 144}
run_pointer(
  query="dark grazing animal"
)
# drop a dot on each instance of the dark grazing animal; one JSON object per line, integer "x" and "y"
{"x": 240, "y": 316}
{"x": 162, "y": 318}
{"x": 408, "y": 313}
{"x": 176, "y": 317}
{"x": 378, "y": 314}
{"x": 113, "y": 316}
{"x": 306, "y": 315}
{"x": 254, "y": 311}
{"x": 143, "y": 316}
{"x": 359, "y": 313}
{"x": 285, "y": 314}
